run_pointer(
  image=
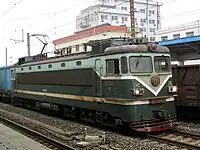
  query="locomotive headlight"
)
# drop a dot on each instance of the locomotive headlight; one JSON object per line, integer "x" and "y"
{"x": 172, "y": 89}
{"x": 137, "y": 91}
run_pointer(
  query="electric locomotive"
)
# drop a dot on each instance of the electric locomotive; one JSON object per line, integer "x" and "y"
{"x": 119, "y": 82}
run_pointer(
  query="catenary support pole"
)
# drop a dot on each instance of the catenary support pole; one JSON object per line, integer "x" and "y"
{"x": 28, "y": 44}
{"x": 6, "y": 56}
{"x": 132, "y": 15}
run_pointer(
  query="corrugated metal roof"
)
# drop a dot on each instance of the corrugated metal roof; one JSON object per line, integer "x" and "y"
{"x": 179, "y": 40}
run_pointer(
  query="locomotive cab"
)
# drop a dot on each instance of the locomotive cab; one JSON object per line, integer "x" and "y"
{"x": 140, "y": 76}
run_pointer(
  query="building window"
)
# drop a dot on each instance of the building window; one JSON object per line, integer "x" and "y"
{"x": 135, "y": 9}
{"x": 104, "y": 17}
{"x": 39, "y": 67}
{"x": 163, "y": 38}
{"x": 142, "y": 10}
{"x": 143, "y": 30}
{"x": 114, "y": 17}
{"x": 30, "y": 68}
{"x": 62, "y": 64}
{"x": 175, "y": 36}
{"x": 152, "y": 39}
{"x": 135, "y": 19}
{"x": 124, "y": 19}
{"x": 142, "y": 20}
{"x": 124, "y": 8}
{"x": 22, "y": 69}
{"x": 78, "y": 63}
{"x": 151, "y": 12}
{"x": 151, "y": 21}
{"x": 152, "y": 29}
{"x": 77, "y": 48}
{"x": 50, "y": 66}
{"x": 190, "y": 33}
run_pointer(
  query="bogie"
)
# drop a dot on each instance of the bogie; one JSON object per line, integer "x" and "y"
{"x": 79, "y": 114}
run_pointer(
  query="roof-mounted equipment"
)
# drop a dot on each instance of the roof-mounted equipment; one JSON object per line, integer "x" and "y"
{"x": 152, "y": 47}
{"x": 142, "y": 40}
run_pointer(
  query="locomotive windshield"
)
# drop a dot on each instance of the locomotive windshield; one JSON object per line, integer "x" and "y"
{"x": 162, "y": 64}
{"x": 140, "y": 64}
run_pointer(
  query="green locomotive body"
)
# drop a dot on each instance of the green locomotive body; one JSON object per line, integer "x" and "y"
{"x": 118, "y": 83}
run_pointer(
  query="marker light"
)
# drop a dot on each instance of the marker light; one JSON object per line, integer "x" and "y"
{"x": 137, "y": 91}
{"x": 172, "y": 89}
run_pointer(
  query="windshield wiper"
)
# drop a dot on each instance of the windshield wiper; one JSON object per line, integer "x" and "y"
{"x": 138, "y": 60}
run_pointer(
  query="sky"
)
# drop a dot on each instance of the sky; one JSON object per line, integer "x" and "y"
{"x": 56, "y": 18}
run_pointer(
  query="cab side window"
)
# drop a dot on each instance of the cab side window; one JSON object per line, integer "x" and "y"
{"x": 124, "y": 66}
{"x": 112, "y": 67}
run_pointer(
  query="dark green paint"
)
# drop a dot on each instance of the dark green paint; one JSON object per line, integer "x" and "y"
{"x": 110, "y": 89}
{"x": 127, "y": 112}
{"x": 122, "y": 89}
{"x": 71, "y": 90}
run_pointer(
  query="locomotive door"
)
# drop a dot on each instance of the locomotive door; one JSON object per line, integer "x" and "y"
{"x": 97, "y": 78}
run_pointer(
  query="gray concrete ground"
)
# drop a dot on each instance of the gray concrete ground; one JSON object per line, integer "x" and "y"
{"x": 13, "y": 140}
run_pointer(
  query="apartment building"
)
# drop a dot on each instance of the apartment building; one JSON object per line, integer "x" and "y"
{"x": 179, "y": 31}
{"x": 117, "y": 12}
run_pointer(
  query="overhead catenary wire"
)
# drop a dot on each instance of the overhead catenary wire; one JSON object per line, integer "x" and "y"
{"x": 42, "y": 15}
{"x": 92, "y": 15}
{"x": 7, "y": 11}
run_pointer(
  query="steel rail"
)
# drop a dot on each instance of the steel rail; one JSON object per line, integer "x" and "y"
{"x": 180, "y": 143}
{"x": 43, "y": 139}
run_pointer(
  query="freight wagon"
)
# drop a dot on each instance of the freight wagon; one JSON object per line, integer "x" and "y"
{"x": 6, "y": 73}
{"x": 187, "y": 79}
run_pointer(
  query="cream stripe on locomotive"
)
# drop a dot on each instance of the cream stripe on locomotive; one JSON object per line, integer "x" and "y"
{"x": 92, "y": 99}
{"x": 139, "y": 80}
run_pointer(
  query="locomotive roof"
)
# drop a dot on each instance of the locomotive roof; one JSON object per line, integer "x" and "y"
{"x": 108, "y": 47}
{"x": 136, "y": 49}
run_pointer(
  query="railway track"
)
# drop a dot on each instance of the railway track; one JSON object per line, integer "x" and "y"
{"x": 177, "y": 138}
{"x": 44, "y": 140}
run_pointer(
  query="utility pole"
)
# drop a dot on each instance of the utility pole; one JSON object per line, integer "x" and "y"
{"x": 6, "y": 56}
{"x": 132, "y": 15}
{"x": 22, "y": 35}
{"x": 28, "y": 44}
{"x": 157, "y": 16}
{"x": 147, "y": 18}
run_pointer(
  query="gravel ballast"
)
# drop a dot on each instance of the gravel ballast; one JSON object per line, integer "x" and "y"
{"x": 188, "y": 127}
{"x": 71, "y": 132}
